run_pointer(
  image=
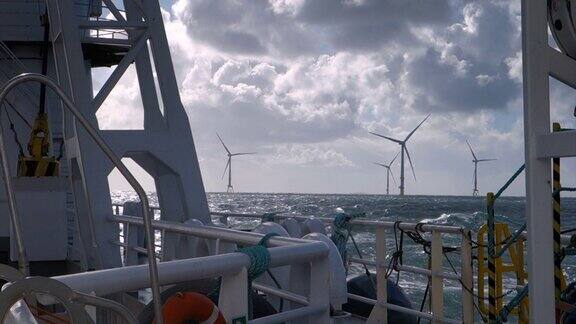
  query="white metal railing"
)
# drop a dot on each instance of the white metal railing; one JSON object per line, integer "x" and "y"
{"x": 283, "y": 251}
{"x": 436, "y": 273}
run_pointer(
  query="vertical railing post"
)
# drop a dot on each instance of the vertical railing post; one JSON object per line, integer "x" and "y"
{"x": 379, "y": 313}
{"x": 162, "y": 239}
{"x": 126, "y": 242}
{"x": 437, "y": 282}
{"x": 233, "y": 298}
{"x": 491, "y": 240}
{"x": 319, "y": 286}
{"x": 467, "y": 278}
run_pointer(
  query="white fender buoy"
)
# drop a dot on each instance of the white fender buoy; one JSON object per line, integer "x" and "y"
{"x": 193, "y": 247}
{"x": 313, "y": 225}
{"x": 292, "y": 227}
{"x": 282, "y": 274}
{"x": 338, "y": 285}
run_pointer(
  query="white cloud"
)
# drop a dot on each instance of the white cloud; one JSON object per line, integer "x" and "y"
{"x": 309, "y": 155}
{"x": 302, "y": 81}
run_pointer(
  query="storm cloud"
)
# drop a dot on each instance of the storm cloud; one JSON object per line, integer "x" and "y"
{"x": 303, "y": 81}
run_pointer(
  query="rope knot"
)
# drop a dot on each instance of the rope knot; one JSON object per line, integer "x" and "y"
{"x": 341, "y": 232}
{"x": 259, "y": 257}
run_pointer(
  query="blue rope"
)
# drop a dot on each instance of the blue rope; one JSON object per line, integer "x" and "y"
{"x": 507, "y": 309}
{"x": 341, "y": 233}
{"x": 509, "y": 182}
{"x": 259, "y": 263}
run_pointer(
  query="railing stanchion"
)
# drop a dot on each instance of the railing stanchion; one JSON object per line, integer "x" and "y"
{"x": 127, "y": 242}
{"x": 437, "y": 283}
{"x": 379, "y": 312}
{"x": 319, "y": 285}
{"x": 467, "y": 278}
{"x": 163, "y": 240}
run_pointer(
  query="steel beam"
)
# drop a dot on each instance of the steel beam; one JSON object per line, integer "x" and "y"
{"x": 558, "y": 144}
{"x": 535, "y": 54}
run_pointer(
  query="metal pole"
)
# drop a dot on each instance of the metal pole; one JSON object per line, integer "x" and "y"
{"x": 436, "y": 282}
{"x": 111, "y": 156}
{"x": 491, "y": 264}
{"x": 558, "y": 275}
{"x": 14, "y": 216}
{"x": 467, "y": 278}
{"x": 536, "y": 62}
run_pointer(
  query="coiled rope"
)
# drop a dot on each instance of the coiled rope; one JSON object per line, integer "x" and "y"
{"x": 341, "y": 234}
{"x": 259, "y": 263}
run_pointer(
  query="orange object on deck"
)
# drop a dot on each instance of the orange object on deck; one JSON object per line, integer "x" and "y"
{"x": 191, "y": 306}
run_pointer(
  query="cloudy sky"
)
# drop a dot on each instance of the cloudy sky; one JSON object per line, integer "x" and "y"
{"x": 302, "y": 82}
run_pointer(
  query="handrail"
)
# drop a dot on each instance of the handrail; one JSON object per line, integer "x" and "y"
{"x": 111, "y": 156}
{"x": 436, "y": 273}
{"x": 403, "y": 225}
{"x": 449, "y": 229}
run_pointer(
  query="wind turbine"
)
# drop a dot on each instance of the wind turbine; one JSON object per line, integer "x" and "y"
{"x": 229, "y": 164}
{"x": 388, "y": 173}
{"x": 404, "y": 150}
{"x": 475, "y": 192}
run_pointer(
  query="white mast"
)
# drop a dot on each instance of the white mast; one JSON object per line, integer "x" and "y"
{"x": 540, "y": 62}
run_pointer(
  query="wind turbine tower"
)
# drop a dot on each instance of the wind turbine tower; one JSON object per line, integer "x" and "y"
{"x": 388, "y": 173}
{"x": 475, "y": 191}
{"x": 404, "y": 150}
{"x": 230, "y": 188}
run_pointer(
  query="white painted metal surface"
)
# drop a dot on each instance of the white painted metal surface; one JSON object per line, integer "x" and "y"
{"x": 308, "y": 259}
{"x": 464, "y": 278}
{"x": 540, "y": 62}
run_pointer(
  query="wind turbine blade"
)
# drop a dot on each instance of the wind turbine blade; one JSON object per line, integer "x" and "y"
{"x": 410, "y": 161}
{"x": 386, "y": 137}
{"x": 484, "y": 160}
{"x": 380, "y": 164}
{"x": 221, "y": 141}
{"x": 394, "y": 159}
{"x": 226, "y": 168}
{"x": 250, "y": 153}
{"x": 471, "y": 150}
{"x": 412, "y": 132}
{"x": 393, "y": 178}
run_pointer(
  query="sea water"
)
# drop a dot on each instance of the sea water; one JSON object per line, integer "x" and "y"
{"x": 468, "y": 212}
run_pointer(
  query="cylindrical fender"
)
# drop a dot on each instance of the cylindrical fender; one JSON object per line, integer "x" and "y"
{"x": 338, "y": 286}
{"x": 313, "y": 225}
{"x": 292, "y": 227}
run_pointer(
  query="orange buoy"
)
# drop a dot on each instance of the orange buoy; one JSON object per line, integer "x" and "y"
{"x": 191, "y": 306}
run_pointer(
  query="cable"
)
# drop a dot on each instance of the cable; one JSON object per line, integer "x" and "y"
{"x": 20, "y": 148}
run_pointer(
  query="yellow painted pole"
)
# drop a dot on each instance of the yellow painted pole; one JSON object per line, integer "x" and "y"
{"x": 557, "y": 225}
